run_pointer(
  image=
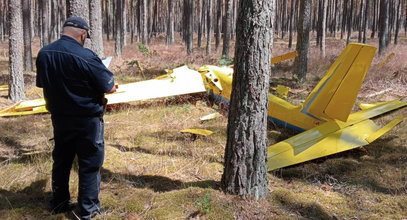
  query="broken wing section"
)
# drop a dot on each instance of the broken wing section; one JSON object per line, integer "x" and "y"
{"x": 181, "y": 81}
{"x": 29, "y": 107}
{"x": 315, "y": 144}
{"x": 332, "y": 137}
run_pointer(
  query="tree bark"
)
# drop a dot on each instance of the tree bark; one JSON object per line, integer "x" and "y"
{"x": 79, "y": 8}
{"x": 209, "y": 24}
{"x": 227, "y": 25}
{"x": 16, "y": 88}
{"x": 170, "y": 23}
{"x": 323, "y": 29}
{"x": 383, "y": 25}
{"x": 303, "y": 29}
{"x": 218, "y": 27}
{"x": 349, "y": 25}
{"x": 245, "y": 172}
{"x": 398, "y": 17}
{"x": 144, "y": 22}
{"x": 44, "y": 24}
{"x": 119, "y": 28}
{"x": 190, "y": 26}
{"x": 96, "y": 27}
{"x": 28, "y": 64}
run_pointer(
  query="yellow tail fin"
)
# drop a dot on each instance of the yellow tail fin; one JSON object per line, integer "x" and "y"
{"x": 335, "y": 95}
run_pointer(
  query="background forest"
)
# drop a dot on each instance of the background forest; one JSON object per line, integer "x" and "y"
{"x": 152, "y": 171}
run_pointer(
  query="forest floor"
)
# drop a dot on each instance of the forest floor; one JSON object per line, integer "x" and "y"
{"x": 152, "y": 171}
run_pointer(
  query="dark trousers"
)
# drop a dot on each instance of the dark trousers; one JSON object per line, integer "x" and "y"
{"x": 81, "y": 137}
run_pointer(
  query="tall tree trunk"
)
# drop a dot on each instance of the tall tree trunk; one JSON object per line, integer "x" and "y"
{"x": 79, "y": 8}
{"x": 374, "y": 22}
{"x": 218, "y": 26}
{"x": 366, "y": 14}
{"x": 16, "y": 88}
{"x": 96, "y": 27}
{"x": 170, "y": 22}
{"x": 350, "y": 15}
{"x": 383, "y": 24}
{"x": 119, "y": 28}
{"x": 323, "y": 28}
{"x": 360, "y": 21}
{"x": 304, "y": 25}
{"x": 245, "y": 172}
{"x": 201, "y": 22}
{"x": 144, "y": 21}
{"x": 398, "y": 17}
{"x": 28, "y": 64}
{"x": 334, "y": 25}
{"x": 190, "y": 26}
{"x": 290, "y": 26}
{"x": 344, "y": 17}
{"x": 209, "y": 24}
{"x": 227, "y": 25}
{"x": 44, "y": 24}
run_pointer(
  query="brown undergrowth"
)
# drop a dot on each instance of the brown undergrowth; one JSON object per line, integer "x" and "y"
{"x": 153, "y": 171}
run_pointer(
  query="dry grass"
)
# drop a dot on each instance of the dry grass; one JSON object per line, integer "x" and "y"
{"x": 152, "y": 171}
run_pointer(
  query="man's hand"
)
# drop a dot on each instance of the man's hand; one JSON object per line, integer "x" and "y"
{"x": 116, "y": 86}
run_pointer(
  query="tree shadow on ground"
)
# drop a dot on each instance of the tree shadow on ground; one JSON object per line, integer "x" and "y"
{"x": 21, "y": 153}
{"x": 309, "y": 210}
{"x": 173, "y": 153}
{"x": 33, "y": 195}
{"x": 155, "y": 183}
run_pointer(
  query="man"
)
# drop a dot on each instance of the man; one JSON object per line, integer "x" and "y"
{"x": 74, "y": 81}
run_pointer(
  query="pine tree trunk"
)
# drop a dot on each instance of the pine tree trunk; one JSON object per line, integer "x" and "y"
{"x": 365, "y": 21}
{"x": 16, "y": 88}
{"x": 398, "y": 17}
{"x": 209, "y": 24}
{"x": 374, "y": 22}
{"x": 227, "y": 26}
{"x": 96, "y": 27}
{"x": 28, "y": 64}
{"x": 44, "y": 14}
{"x": 349, "y": 25}
{"x": 119, "y": 28}
{"x": 383, "y": 24}
{"x": 304, "y": 25}
{"x": 245, "y": 172}
{"x": 79, "y": 8}
{"x": 290, "y": 26}
{"x": 190, "y": 26}
{"x": 144, "y": 22}
{"x": 218, "y": 27}
{"x": 170, "y": 22}
{"x": 323, "y": 29}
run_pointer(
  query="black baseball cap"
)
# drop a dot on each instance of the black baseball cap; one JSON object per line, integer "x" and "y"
{"x": 77, "y": 22}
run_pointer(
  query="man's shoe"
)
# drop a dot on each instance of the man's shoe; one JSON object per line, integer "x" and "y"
{"x": 87, "y": 217}
{"x": 61, "y": 208}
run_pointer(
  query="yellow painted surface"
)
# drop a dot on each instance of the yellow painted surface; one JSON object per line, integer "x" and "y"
{"x": 383, "y": 130}
{"x": 317, "y": 143}
{"x": 181, "y": 81}
{"x": 282, "y": 90}
{"x": 201, "y": 132}
{"x": 335, "y": 95}
{"x": 210, "y": 116}
{"x": 332, "y": 137}
{"x": 284, "y": 57}
{"x": 3, "y": 88}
